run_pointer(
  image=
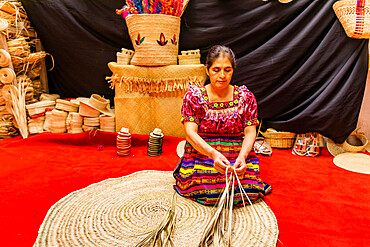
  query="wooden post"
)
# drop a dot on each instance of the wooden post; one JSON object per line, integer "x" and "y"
{"x": 43, "y": 73}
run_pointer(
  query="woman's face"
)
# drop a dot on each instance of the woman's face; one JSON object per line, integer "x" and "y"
{"x": 220, "y": 73}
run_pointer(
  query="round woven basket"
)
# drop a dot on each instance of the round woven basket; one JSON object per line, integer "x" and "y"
{"x": 122, "y": 211}
{"x": 279, "y": 139}
{"x": 356, "y": 24}
{"x": 155, "y": 39}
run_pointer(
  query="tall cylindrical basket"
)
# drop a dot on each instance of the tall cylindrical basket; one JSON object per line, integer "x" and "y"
{"x": 155, "y": 38}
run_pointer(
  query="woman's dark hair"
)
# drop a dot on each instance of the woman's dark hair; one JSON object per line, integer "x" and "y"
{"x": 217, "y": 51}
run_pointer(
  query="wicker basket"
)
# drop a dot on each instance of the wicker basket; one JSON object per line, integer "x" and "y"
{"x": 354, "y": 16}
{"x": 155, "y": 39}
{"x": 279, "y": 139}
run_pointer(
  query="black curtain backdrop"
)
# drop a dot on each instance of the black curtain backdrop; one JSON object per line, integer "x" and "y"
{"x": 306, "y": 74}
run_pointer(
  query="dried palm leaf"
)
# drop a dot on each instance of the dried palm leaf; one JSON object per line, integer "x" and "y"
{"x": 161, "y": 236}
{"x": 216, "y": 227}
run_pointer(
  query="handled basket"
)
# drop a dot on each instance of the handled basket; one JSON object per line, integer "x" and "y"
{"x": 354, "y": 15}
{"x": 155, "y": 38}
{"x": 278, "y": 139}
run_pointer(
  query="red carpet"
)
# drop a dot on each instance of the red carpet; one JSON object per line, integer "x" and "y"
{"x": 315, "y": 202}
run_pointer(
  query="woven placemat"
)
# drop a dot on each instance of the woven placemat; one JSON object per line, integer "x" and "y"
{"x": 122, "y": 211}
{"x": 355, "y": 162}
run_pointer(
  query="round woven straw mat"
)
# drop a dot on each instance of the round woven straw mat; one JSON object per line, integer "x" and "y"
{"x": 354, "y": 162}
{"x": 122, "y": 211}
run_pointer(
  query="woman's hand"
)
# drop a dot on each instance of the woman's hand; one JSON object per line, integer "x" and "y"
{"x": 240, "y": 166}
{"x": 220, "y": 162}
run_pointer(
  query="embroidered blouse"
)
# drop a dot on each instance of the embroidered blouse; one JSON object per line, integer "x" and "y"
{"x": 230, "y": 117}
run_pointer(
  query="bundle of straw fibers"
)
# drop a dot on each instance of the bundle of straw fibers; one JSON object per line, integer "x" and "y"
{"x": 16, "y": 105}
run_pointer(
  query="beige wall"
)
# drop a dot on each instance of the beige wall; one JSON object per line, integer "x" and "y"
{"x": 364, "y": 117}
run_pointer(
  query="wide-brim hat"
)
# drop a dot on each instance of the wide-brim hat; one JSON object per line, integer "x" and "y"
{"x": 97, "y": 103}
{"x": 349, "y": 145}
{"x": 122, "y": 211}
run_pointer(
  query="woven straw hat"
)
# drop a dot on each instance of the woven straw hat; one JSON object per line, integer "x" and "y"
{"x": 356, "y": 142}
{"x": 66, "y": 105}
{"x": 97, "y": 103}
{"x": 353, "y": 162}
{"x": 39, "y": 107}
{"x": 122, "y": 211}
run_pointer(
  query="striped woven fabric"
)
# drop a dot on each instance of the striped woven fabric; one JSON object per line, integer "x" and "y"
{"x": 197, "y": 180}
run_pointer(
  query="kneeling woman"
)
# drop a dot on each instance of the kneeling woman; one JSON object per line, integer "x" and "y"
{"x": 215, "y": 118}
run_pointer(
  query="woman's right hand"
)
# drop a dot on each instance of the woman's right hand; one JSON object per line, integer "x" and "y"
{"x": 220, "y": 162}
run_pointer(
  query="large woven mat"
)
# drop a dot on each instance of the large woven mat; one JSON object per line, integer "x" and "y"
{"x": 143, "y": 113}
{"x": 121, "y": 211}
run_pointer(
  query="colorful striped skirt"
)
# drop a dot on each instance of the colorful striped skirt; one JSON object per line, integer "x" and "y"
{"x": 198, "y": 180}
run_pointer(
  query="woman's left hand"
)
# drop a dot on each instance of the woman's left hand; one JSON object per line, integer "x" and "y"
{"x": 240, "y": 166}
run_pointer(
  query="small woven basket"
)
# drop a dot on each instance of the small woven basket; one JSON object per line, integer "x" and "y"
{"x": 279, "y": 139}
{"x": 155, "y": 38}
{"x": 354, "y": 16}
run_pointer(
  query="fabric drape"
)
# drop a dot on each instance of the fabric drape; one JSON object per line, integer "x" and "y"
{"x": 306, "y": 74}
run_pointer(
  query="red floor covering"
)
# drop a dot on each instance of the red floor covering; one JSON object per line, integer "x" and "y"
{"x": 315, "y": 202}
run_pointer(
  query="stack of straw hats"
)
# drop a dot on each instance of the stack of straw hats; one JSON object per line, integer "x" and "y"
{"x": 155, "y": 142}
{"x": 66, "y": 105}
{"x": 46, "y": 96}
{"x": 107, "y": 123}
{"x": 37, "y": 112}
{"x": 91, "y": 123}
{"x": 91, "y": 109}
{"x": 189, "y": 57}
{"x": 95, "y": 106}
{"x": 35, "y": 125}
{"x": 124, "y": 142}
{"x": 48, "y": 120}
{"x": 74, "y": 123}
{"x": 58, "y": 121}
{"x": 37, "y": 109}
{"x": 124, "y": 57}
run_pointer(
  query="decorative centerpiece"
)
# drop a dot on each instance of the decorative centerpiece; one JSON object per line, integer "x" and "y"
{"x": 154, "y": 29}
